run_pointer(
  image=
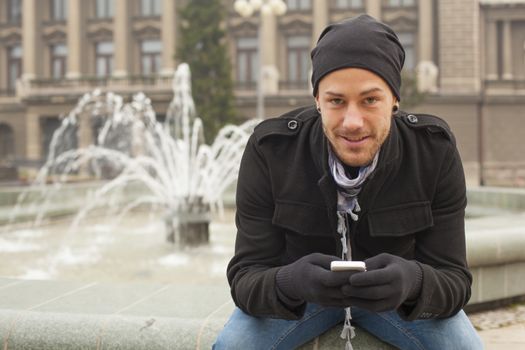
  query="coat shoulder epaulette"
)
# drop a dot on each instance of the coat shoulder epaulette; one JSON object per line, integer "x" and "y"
{"x": 288, "y": 124}
{"x": 428, "y": 122}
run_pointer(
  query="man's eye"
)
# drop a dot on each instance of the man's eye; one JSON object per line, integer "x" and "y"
{"x": 336, "y": 101}
{"x": 370, "y": 100}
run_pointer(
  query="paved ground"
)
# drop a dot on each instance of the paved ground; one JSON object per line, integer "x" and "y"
{"x": 502, "y": 329}
{"x": 506, "y": 338}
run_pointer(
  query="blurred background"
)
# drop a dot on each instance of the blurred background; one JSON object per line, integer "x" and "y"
{"x": 465, "y": 63}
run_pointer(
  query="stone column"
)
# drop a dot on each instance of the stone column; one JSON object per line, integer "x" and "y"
{"x": 507, "y": 50}
{"x": 75, "y": 38}
{"x": 168, "y": 37}
{"x": 491, "y": 50}
{"x": 31, "y": 43}
{"x": 373, "y": 8}
{"x": 425, "y": 35}
{"x": 459, "y": 57}
{"x": 320, "y": 18}
{"x": 3, "y": 68}
{"x": 268, "y": 53}
{"x": 122, "y": 36}
{"x": 32, "y": 137}
{"x": 85, "y": 134}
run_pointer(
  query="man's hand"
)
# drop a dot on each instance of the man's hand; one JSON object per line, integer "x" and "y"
{"x": 310, "y": 279}
{"x": 388, "y": 282}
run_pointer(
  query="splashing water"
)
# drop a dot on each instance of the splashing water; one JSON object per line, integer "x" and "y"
{"x": 136, "y": 161}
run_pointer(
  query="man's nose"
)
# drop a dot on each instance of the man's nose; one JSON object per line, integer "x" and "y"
{"x": 353, "y": 118}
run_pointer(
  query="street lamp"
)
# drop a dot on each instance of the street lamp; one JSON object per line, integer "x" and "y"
{"x": 246, "y": 8}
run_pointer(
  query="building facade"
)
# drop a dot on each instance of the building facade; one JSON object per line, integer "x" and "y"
{"x": 469, "y": 55}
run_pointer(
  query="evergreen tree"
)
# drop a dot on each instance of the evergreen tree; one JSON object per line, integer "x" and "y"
{"x": 202, "y": 45}
{"x": 410, "y": 94}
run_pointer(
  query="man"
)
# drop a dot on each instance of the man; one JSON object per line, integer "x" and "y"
{"x": 353, "y": 178}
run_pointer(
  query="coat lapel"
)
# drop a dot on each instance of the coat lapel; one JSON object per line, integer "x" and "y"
{"x": 319, "y": 154}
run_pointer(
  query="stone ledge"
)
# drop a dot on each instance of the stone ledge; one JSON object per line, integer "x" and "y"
{"x": 49, "y": 330}
{"x": 490, "y": 248}
{"x": 66, "y": 331}
{"x": 71, "y": 315}
{"x": 496, "y": 258}
{"x": 497, "y": 197}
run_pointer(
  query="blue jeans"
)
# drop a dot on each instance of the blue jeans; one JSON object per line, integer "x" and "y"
{"x": 243, "y": 331}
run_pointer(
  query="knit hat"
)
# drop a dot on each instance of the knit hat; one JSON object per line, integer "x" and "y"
{"x": 359, "y": 42}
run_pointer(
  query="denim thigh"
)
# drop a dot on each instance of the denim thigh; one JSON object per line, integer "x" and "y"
{"x": 243, "y": 331}
{"x": 451, "y": 333}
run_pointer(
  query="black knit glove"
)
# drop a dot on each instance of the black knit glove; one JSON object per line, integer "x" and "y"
{"x": 310, "y": 279}
{"x": 388, "y": 282}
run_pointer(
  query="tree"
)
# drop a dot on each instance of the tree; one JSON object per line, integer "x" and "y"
{"x": 410, "y": 94}
{"x": 202, "y": 45}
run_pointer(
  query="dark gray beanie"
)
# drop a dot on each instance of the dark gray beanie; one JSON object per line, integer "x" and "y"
{"x": 359, "y": 42}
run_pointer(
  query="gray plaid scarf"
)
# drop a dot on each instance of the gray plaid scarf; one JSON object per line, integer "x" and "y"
{"x": 347, "y": 191}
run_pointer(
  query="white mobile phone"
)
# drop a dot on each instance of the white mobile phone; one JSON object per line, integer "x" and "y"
{"x": 347, "y": 266}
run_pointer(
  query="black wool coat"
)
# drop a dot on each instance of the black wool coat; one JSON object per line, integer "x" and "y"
{"x": 412, "y": 205}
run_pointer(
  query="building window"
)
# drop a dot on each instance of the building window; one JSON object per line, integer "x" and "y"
{"x": 349, "y": 4}
{"x": 247, "y": 61}
{"x": 59, "y": 10}
{"x": 407, "y": 40}
{"x": 523, "y": 59}
{"x": 150, "y": 8}
{"x": 48, "y": 126}
{"x": 150, "y": 51}
{"x": 58, "y": 61}
{"x": 299, "y": 5}
{"x": 104, "y": 58}
{"x": 14, "y": 11}
{"x": 298, "y": 58}
{"x": 401, "y": 3}
{"x": 7, "y": 144}
{"x": 14, "y": 66}
{"x": 104, "y": 8}
{"x": 499, "y": 50}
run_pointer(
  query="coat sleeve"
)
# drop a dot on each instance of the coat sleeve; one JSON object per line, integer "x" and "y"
{"x": 259, "y": 244}
{"x": 441, "y": 250}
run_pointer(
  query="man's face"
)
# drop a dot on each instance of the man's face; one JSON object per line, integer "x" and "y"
{"x": 356, "y": 111}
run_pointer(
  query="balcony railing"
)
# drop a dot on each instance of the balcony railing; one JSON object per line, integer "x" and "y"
{"x": 7, "y": 92}
{"x": 246, "y": 85}
{"x": 505, "y": 84}
{"x": 133, "y": 83}
{"x": 283, "y": 86}
{"x": 294, "y": 85}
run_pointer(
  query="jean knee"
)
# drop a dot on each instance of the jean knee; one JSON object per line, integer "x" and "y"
{"x": 229, "y": 340}
{"x": 472, "y": 341}
{"x": 235, "y": 336}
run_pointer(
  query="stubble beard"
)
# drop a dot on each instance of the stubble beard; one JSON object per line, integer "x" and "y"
{"x": 360, "y": 158}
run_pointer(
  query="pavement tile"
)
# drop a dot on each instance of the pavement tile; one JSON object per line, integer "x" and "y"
{"x": 106, "y": 298}
{"x": 31, "y": 294}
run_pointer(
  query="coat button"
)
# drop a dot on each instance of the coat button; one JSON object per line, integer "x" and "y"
{"x": 292, "y": 124}
{"x": 412, "y": 118}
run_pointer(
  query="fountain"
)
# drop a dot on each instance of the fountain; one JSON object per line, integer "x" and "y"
{"x": 164, "y": 166}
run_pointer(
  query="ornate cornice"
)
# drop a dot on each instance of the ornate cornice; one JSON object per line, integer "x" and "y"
{"x": 53, "y": 35}
{"x": 244, "y": 29}
{"x": 295, "y": 26}
{"x": 10, "y": 36}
